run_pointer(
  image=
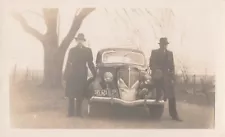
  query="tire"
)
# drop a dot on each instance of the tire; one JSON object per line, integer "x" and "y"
{"x": 96, "y": 109}
{"x": 156, "y": 111}
{"x": 91, "y": 110}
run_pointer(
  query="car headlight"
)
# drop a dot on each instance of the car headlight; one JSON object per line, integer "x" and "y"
{"x": 147, "y": 79}
{"x": 147, "y": 76}
{"x": 108, "y": 77}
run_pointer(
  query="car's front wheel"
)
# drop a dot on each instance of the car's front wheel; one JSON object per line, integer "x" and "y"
{"x": 92, "y": 110}
{"x": 156, "y": 111}
{"x": 96, "y": 109}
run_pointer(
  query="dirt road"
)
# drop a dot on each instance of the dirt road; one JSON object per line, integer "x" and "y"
{"x": 41, "y": 109}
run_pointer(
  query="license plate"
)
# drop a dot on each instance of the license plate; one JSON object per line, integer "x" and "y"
{"x": 101, "y": 92}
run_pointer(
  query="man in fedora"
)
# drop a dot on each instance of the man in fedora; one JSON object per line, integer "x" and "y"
{"x": 163, "y": 74}
{"x": 76, "y": 72}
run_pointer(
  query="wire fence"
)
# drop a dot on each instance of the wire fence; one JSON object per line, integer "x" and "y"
{"x": 19, "y": 76}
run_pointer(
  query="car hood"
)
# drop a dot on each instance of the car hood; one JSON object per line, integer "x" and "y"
{"x": 117, "y": 65}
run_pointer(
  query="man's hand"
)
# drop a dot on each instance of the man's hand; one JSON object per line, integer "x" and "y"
{"x": 173, "y": 81}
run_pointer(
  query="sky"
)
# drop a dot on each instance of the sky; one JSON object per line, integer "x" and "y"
{"x": 192, "y": 33}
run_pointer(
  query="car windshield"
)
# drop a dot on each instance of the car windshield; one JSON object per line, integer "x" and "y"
{"x": 127, "y": 57}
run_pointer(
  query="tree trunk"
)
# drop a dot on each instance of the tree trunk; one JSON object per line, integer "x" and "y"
{"x": 52, "y": 68}
{"x": 53, "y": 64}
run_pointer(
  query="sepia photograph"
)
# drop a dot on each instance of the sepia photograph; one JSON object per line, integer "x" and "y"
{"x": 111, "y": 68}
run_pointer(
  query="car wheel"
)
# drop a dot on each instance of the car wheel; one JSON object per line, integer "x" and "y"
{"x": 90, "y": 109}
{"x": 156, "y": 111}
{"x": 93, "y": 110}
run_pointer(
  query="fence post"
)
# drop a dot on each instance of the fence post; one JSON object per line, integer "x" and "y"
{"x": 194, "y": 84}
{"x": 204, "y": 90}
{"x": 14, "y": 74}
{"x": 32, "y": 76}
{"x": 26, "y": 75}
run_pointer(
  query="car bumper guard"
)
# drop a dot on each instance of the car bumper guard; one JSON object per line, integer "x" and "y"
{"x": 124, "y": 102}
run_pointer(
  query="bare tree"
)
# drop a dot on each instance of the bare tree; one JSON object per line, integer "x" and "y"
{"x": 207, "y": 86}
{"x": 54, "y": 51}
{"x": 163, "y": 23}
{"x": 184, "y": 74}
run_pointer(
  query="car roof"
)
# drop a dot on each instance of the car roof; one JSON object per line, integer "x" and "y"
{"x": 126, "y": 49}
{"x": 99, "y": 55}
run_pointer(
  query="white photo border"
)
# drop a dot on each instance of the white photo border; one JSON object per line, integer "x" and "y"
{"x": 220, "y": 74}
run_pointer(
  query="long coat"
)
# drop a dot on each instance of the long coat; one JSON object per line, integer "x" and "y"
{"x": 76, "y": 71}
{"x": 164, "y": 61}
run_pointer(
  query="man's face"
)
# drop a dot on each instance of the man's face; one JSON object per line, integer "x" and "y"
{"x": 163, "y": 46}
{"x": 80, "y": 41}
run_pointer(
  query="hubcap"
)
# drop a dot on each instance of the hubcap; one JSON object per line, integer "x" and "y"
{"x": 89, "y": 107}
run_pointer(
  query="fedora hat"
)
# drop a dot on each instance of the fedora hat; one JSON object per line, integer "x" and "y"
{"x": 80, "y": 36}
{"x": 163, "y": 40}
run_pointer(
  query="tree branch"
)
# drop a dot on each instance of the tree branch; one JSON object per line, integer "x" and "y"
{"x": 51, "y": 21}
{"x": 154, "y": 18}
{"x": 28, "y": 28}
{"x": 127, "y": 23}
{"x": 127, "y": 14}
{"x": 106, "y": 10}
{"x": 50, "y": 17}
{"x": 35, "y": 13}
{"x": 77, "y": 11}
{"x": 77, "y": 21}
{"x": 136, "y": 11}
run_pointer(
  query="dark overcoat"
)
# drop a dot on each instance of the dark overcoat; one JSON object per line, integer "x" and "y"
{"x": 164, "y": 61}
{"x": 76, "y": 71}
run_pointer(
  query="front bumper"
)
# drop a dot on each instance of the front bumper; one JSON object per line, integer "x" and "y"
{"x": 140, "y": 102}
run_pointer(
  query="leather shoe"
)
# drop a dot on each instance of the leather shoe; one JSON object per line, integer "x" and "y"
{"x": 79, "y": 115}
{"x": 70, "y": 115}
{"x": 177, "y": 119}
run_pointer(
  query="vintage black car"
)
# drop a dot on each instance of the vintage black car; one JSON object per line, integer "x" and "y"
{"x": 123, "y": 79}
